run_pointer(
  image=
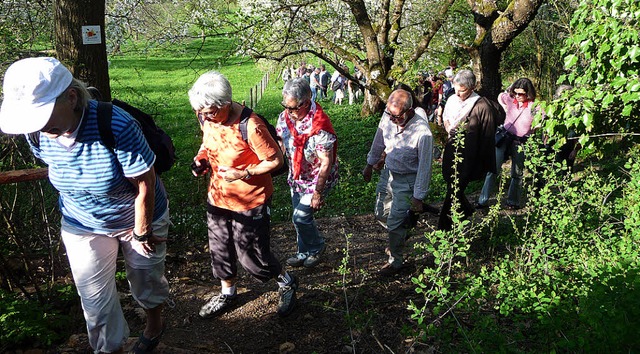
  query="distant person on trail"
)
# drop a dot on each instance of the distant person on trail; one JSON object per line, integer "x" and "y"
{"x": 110, "y": 198}
{"x": 338, "y": 87}
{"x": 239, "y": 194}
{"x": 286, "y": 74}
{"x": 311, "y": 146}
{"x": 315, "y": 84}
{"x": 302, "y": 69}
{"x": 405, "y": 139}
{"x": 324, "y": 81}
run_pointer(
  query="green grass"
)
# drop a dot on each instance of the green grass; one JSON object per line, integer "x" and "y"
{"x": 159, "y": 85}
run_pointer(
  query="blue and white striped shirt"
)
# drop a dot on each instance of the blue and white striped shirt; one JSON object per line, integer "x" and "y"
{"x": 95, "y": 194}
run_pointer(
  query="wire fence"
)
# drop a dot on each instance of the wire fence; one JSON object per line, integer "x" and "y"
{"x": 256, "y": 92}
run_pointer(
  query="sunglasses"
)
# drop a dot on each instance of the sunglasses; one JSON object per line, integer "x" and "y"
{"x": 293, "y": 109}
{"x": 396, "y": 117}
{"x": 520, "y": 93}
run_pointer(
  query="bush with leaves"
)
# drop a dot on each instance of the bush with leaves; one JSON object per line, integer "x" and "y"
{"x": 602, "y": 59}
{"x": 563, "y": 275}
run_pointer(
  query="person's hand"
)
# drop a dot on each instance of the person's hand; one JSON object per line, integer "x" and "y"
{"x": 366, "y": 173}
{"x": 317, "y": 201}
{"x": 379, "y": 165}
{"x": 200, "y": 166}
{"x": 416, "y": 205}
{"x": 148, "y": 246}
{"x": 230, "y": 174}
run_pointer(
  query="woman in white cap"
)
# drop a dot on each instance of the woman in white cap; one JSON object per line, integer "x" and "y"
{"x": 108, "y": 197}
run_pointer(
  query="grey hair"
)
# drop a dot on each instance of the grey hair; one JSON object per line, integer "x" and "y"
{"x": 298, "y": 89}
{"x": 82, "y": 93}
{"x": 465, "y": 78}
{"x": 560, "y": 90}
{"x": 211, "y": 89}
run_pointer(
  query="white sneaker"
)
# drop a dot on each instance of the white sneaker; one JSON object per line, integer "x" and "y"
{"x": 297, "y": 260}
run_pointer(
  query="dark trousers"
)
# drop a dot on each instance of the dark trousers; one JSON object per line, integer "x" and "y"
{"x": 241, "y": 237}
{"x": 445, "y": 222}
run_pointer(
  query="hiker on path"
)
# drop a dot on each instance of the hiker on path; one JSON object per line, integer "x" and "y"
{"x": 310, "y": 143}
{"x": 239, "y": 194}
{"x": 109, "y": 198}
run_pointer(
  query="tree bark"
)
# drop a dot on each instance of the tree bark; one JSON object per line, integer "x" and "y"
{"x": 87, "y": 62}
{"x": 494, "y": 32}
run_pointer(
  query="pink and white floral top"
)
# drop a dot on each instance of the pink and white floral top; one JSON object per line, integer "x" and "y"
{"x": 323, "y": 141}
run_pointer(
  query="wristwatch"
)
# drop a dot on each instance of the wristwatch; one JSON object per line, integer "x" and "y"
{"x": 141, "y": 238}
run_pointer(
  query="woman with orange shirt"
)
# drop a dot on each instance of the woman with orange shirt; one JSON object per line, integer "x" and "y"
{"x": 239, "y": 193}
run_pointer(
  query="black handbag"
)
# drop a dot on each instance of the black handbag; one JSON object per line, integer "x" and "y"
{"x": 502, "y": 135}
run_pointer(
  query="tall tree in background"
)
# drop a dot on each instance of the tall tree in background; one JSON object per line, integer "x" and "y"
{"x": 496, "y": 27}
{"x": 87, "y": 62}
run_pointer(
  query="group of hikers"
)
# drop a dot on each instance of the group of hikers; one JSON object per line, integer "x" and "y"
{"x": 322, "y": 82}
{"x": 111, "y": 196}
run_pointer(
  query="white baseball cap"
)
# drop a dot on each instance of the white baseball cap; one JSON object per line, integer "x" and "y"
{"x": 30, "y": 89}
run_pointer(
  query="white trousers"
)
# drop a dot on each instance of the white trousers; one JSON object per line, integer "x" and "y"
{"x": 93, "y": 263}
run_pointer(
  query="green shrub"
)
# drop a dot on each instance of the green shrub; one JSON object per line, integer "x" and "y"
{"x": 25, "y": 322}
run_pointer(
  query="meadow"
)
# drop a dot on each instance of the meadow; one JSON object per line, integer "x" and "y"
{"x": 159, "y": 85}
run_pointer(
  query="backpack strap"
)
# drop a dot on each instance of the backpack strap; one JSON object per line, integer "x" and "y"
{"x": 105, "y": 115}
{"x": 34, "y": 139}
{"x": 244, "y": 120}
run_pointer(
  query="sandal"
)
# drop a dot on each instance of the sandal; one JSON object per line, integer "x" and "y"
{"x": 146, "y": 345}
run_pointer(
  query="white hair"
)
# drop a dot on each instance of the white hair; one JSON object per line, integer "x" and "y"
{"x": 211, "y": 89}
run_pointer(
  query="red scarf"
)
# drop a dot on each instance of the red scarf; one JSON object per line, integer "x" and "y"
{"x": 525, "y": 104}
{"x": 320, "y": 121}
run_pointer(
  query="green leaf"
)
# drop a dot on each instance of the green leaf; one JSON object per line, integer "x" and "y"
{"x": 608, "y": 99}
{"x": 619, "y": 82}
{"x": 570, "y": 61}
{"x": 634, "y": 53}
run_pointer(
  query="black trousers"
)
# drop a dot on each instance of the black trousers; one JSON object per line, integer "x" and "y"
{"x": 243, "y": 237}
{"x": 466, "y": 208}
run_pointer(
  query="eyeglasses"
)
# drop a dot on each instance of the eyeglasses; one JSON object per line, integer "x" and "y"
{"x": 396, "y": 117}
{"x": 293, "y": 109}
{"x": 202, "y": 116}
{"x": 520, "y": 93}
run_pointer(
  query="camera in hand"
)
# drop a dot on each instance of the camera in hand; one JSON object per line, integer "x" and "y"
{"x": 199, "y": 170}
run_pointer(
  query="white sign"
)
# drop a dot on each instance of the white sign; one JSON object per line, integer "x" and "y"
{"x": 91, "y": 35}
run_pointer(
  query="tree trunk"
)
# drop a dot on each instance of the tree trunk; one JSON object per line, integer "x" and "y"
{"x": 486, "y": 62}
{"x": 495, "y": 30}
{"x": 87, "y": 62}
{"x": 372, "y": 104}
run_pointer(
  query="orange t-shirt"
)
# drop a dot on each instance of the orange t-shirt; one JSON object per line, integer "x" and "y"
{"x": 225, "y": 147}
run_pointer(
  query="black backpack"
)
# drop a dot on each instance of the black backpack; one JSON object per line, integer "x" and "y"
{"x": 336, "y": 85}
{"x": 159, "y": 142}
{"x": 244, "y": 119}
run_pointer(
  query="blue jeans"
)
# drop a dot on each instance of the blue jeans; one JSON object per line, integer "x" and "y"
{"x": 314, "y": 93}
{"x": 516, "y": 152}
{"x": 310, "y": 241}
